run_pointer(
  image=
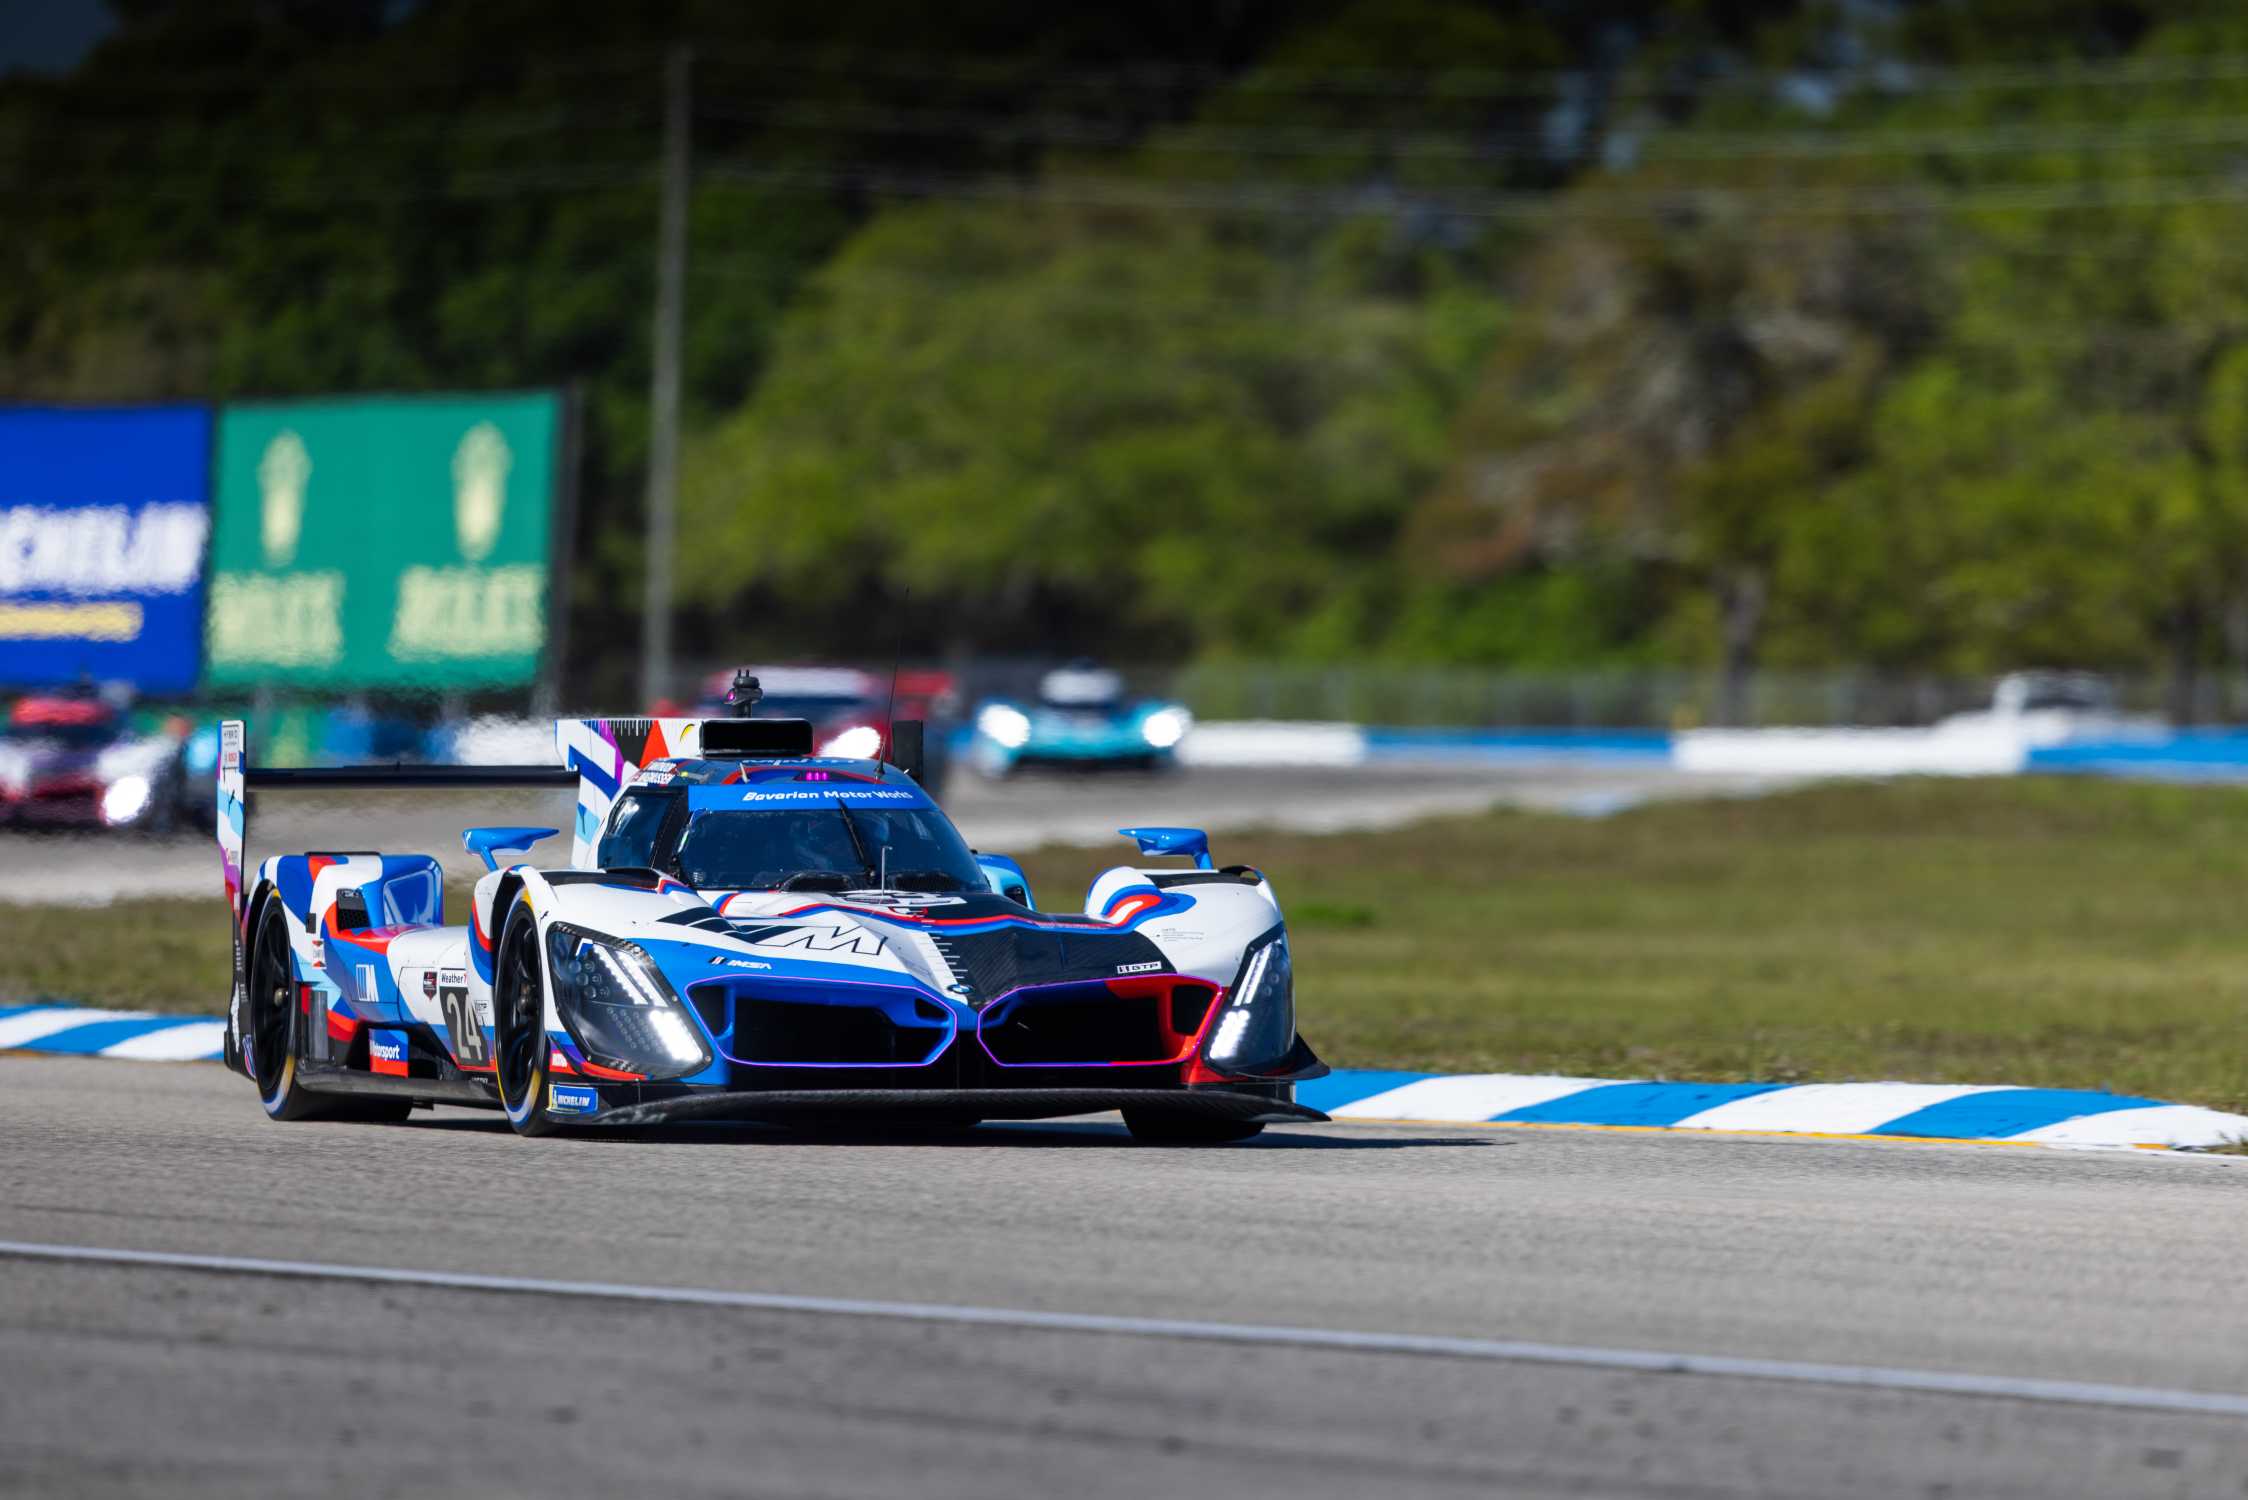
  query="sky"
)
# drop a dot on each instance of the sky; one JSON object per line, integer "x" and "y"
{"x": 49, "y": 36}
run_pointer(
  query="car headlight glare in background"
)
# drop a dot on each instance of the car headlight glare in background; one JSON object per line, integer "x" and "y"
{"x": 1166, "y": 727}
{"x": 126, "y": 799}
{"x": 617, "y": 1006}
{"x": 1007, "y": 727}
{"x": 859, "y": 742}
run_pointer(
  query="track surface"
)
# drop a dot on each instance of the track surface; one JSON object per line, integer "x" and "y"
{"x": 1014, "y": 815}
{"x": 2053, "y": 1265}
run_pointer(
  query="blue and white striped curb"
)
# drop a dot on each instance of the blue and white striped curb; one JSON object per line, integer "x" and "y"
{"x": 77, "y": 1030}
{"x": 1926, "y": 1111}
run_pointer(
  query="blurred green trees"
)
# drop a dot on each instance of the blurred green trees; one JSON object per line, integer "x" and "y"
{"x": 1780, "y": 334}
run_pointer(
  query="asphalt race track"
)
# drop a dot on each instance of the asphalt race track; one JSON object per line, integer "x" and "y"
{"x": 2015, "y": 1266}
{"x": 1021, "y": 813}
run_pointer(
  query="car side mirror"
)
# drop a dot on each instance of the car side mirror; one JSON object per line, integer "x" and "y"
{"x": 1006, "y": 877}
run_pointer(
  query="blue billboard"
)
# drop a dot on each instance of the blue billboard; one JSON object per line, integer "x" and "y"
{"x": 105, "y": 520}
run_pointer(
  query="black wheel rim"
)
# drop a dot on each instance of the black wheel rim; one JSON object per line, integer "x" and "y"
{"x": 521, "y": 1015}
{"x": 272, "y": 990}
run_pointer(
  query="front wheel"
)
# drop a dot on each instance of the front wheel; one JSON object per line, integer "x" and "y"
{"x": 519, "y": 1021}
{"x": 1159, "y": 1128}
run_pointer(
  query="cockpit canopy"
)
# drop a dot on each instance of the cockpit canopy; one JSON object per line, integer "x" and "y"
{"x": 824, "y": 825}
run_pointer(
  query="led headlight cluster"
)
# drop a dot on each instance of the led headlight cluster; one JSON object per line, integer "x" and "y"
{"x": 1258, "y": 1025}
{"x": 617, "y": 1006}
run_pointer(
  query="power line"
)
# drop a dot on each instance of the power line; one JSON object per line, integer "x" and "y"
{"x": 1648, "y": 143}
{"x": 329, "y": 73}
{"x": 1465, "y": 83}
{"x": 1865, "y": 200}
{"x": 46, "y": 135}
{"x": 330, "y": 192}
{"x": 1899, "y": 199}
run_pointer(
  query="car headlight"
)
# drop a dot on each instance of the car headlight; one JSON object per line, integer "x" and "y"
{"x": 126, "y": 799}
{"x": 1009, "y": 727}
{"x": 618, "y": 1008}
{"x": 1258, "y": 1024}
{"x": 859, "y": 742}
{"x": 1166, "y": 727}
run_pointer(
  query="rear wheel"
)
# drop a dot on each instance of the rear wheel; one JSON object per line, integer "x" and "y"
{"x": 519, "y": 1024}
{"x": 1158, "y": 1128}
{"x": 276, "y": 1031}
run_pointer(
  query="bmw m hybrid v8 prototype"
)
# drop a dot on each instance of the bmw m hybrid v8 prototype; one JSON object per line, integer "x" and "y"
{"x": 747, "y": 931}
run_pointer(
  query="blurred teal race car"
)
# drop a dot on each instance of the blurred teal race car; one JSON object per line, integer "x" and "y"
{"x": 1082, "y": 718}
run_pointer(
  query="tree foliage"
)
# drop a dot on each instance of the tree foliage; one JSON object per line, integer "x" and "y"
{"x": 1785, "y": 333}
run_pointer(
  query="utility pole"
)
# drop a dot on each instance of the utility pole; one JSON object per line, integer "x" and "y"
{"x": 663, "y": 384}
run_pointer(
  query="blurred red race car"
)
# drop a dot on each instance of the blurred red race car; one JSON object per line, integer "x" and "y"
{"x": 850, "y": 709}
{"x": 73, "y": 760}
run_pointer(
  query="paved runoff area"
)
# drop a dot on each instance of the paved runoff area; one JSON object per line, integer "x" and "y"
{"x": 194, "y": 1301}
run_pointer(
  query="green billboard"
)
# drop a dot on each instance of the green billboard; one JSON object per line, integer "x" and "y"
{"x": 390, "y": 542}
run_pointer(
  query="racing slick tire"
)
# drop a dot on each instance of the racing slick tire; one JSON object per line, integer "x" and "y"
{"x": 276, "y": 1028}
{"x": 521, "y": 1050}
{"x": 1156, "y": 1128}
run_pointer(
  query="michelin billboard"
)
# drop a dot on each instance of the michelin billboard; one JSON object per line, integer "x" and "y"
{"x": 104, "y": 513}
{"x": 396, "y": 542}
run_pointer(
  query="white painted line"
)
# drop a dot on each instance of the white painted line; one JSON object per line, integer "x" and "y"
{"x": 1830, "y": 1108}
{"x": 1867, "y": 1377}
{"x": 2150, "y": 1125}
{"x": 186, "y": 1042}
{"x": 16, "y": 1031}
{"x": 1464, "y": 1097}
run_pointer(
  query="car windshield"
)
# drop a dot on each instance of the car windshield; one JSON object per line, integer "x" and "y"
{"x": 814, "y": 848}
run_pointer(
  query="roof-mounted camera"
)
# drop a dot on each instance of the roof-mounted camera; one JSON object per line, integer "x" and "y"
{"x": 745, "y": 693}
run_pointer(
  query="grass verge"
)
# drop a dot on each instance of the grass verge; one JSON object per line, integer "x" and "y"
{"x": 2039, "y": 931}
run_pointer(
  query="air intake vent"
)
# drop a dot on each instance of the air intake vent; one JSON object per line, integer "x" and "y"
{"x": 1076, "y": 1025}
{"x": 796, "y": 1023}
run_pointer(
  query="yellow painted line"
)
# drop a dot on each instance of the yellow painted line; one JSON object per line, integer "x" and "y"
{"x": 1769, "y": 1135}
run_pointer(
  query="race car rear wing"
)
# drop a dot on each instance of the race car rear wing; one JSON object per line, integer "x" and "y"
{"x": 597, "y": 757}
{"x": 237, "y": 779}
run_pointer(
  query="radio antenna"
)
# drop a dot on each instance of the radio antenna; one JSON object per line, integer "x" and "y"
{"x": 897, "y": 651}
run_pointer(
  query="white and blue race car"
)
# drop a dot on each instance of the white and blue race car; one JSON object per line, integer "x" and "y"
{"x": 747, "y": 931}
